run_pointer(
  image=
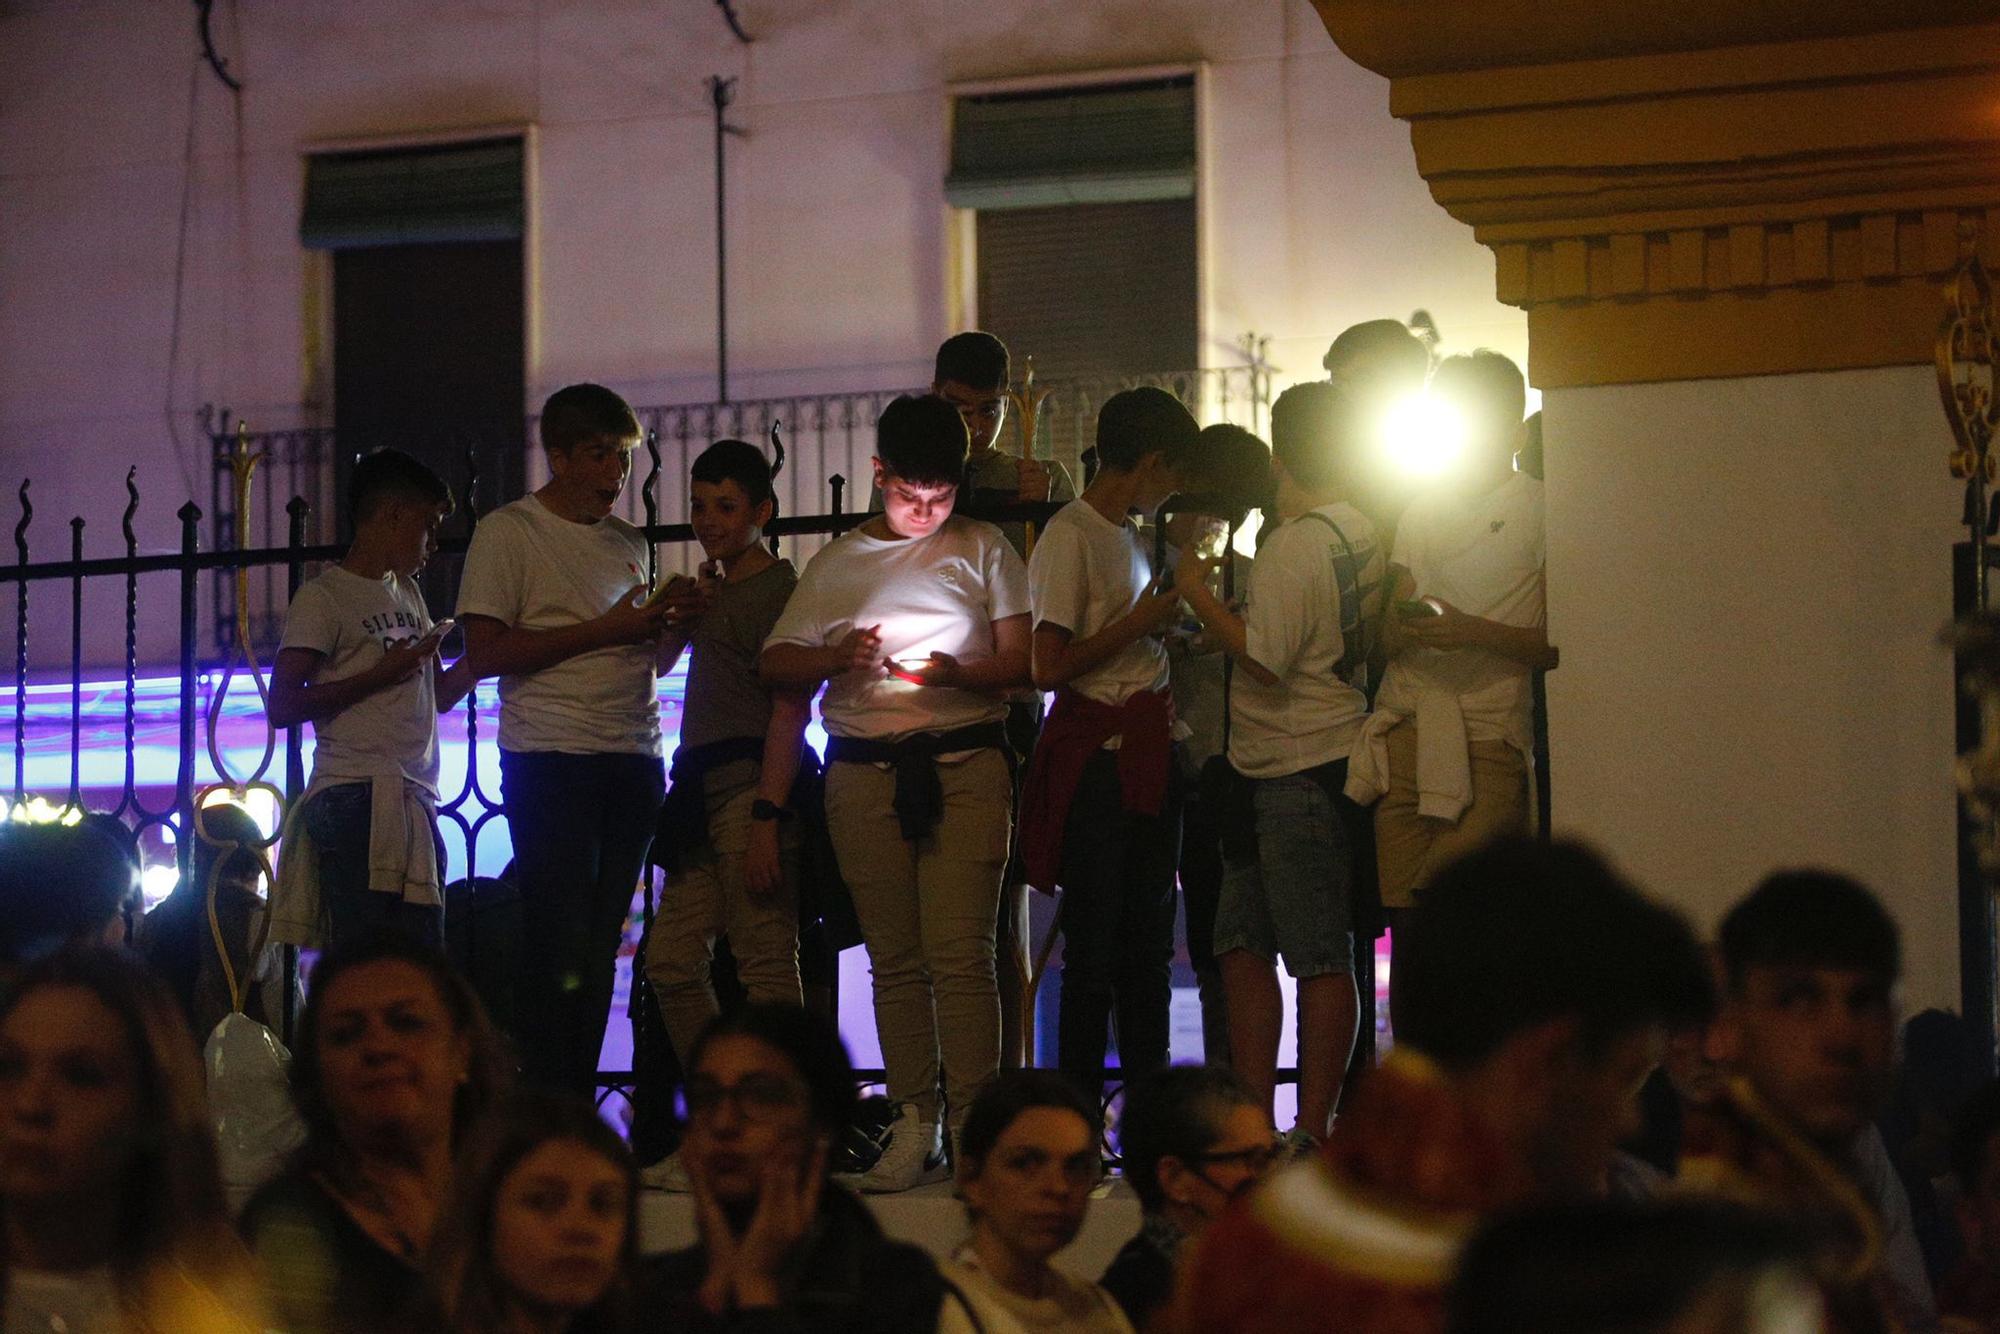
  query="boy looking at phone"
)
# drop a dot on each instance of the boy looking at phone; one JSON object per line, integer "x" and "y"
{"x": 1449, "y": 748}
{"x": 729, "y": 837}
{"x": 1295, "y": 709}
{"x": 358, "y": 660}
{"x": 918, "y": 622}
{"x": 1101, "y": 811}
{"x": 551, "y": 603}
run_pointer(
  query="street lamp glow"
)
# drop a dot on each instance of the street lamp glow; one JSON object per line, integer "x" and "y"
{"x": 1422, "y": 437}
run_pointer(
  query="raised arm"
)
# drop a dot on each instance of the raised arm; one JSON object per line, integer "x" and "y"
{"x": 804, "y": 666}
{"x": 296, "y": 699}
{"x": 498, "y": 649}
{"x": 1191, "y": 580}
{"x": 1058, "y": 658}
{"x": 1527, "y": 645}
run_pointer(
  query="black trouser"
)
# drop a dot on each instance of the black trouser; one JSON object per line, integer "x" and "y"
{"x": 581, "y": 826}
{"x": 1201, "y": 891}
{"x": 1117, "y": 920}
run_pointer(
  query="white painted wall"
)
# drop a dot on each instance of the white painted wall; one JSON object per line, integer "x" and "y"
{"x": 840, "y": 236}
{"x": 1747, "y": 579}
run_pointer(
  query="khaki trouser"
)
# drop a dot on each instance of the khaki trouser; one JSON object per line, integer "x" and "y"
{"x": 707, "y": 899}
{"x": 1411, "y": 848}
{"x": 927, "y": 912}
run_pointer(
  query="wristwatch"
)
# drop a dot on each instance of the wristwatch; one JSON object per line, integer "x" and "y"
{"x": 761, "y": 809}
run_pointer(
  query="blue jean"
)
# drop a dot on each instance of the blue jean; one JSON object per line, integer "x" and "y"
{"x": 581, "y": 826}
{"x": 1295, "y": 899}
{"x": 339, "y": 819}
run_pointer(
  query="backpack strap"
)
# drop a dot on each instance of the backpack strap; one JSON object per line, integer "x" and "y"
{"x": 1354, "y": 644}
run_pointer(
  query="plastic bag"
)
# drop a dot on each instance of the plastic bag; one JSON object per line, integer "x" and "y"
{"x": 249, "y": 1094}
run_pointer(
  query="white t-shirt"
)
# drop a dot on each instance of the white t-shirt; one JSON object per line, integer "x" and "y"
{"x": 939, "y": 594}
{"x": 1293, "y": 629}
{"x": 350, "y": 620}
{"x": 530, "y": 567}
{"x": 1086, "y": 573}
{"x": 1484, "y": 555}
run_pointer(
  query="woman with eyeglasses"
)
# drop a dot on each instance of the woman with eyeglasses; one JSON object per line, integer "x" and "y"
{"x": 1028, "y": 1163}
{"x": 782, "y": 1247}
{"x": 1193, "y": 1138}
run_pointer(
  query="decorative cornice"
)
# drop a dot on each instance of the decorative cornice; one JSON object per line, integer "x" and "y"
{"x": 1740, "y": 209}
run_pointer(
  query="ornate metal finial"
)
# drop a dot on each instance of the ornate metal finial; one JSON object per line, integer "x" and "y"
{"x": 1027, "y": 401}
{"x": 1965, "y": 357}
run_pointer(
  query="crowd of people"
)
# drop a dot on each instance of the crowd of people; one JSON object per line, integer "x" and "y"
{"x": 1590, "y": 1119}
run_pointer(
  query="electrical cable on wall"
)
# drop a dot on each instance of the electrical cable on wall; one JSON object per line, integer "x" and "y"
{"x": 735, "y": 24}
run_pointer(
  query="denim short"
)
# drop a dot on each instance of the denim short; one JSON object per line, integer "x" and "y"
{"x": 1294, "y": 899}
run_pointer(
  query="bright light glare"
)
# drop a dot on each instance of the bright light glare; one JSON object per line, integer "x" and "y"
{"x": 40, "y": 810}
{"x": 156, "y": 882}
{"x": 1422, "y": 437}
{"x": 255, "y": 802}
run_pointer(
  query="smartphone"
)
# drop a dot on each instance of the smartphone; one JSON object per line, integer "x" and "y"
{"x": 908, "y": 669}
{"x": 439, "y": 629}
{"x": 1414, "y": 607}
{"x": 678, "y": 583}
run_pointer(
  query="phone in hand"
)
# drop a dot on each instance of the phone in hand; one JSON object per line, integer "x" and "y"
{"x": 908, "y": 669}
{"x": 439, "y": 629}
{"x": 1413, "y": 608}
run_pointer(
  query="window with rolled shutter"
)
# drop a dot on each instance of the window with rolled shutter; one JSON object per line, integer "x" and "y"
{"x": 1085, "y": 225}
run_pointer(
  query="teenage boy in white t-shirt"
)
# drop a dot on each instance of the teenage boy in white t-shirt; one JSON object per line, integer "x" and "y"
{"x": 918, "y": 622}
{"x": 1296, "y": 707}
{"x": 1101, "y": 808}
{"x": 552, "y": 604}
{"x": 358, "y": 660}
{"x": 1449, "y": 748}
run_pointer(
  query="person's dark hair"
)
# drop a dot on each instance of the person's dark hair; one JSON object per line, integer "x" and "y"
{"x": 1487, "y": 389}
{"x": 121, "y": 836}
{"x": 923, "y": 441}
{"x": 1010, "y": 1093}
{"x": 1231, "y": 465}
{"x": 579, "y": 413}
{"x": 173, "y": 1221}
{"x": 383, "y": 475}
{"x": 487, "y": 1078}
{"x": 465, "y": 1288}
{"x": 1174, "y": 1113}
{"x": 1136, "y": 422}
{"x": 1313, "y": 433}
{"x": 1972, "y": 1133}
{"x": 805, "y": 1038}
{"x": 1519, "y": 933}
{"x": 1809, "y": 919}
{"x": 58, "y": 883}
{"x": 743, "y": 463}
{"x": 226, "y": 829}
{"x": 1614, "y": 1268}
{"x": 1389, "y": 343}
{"x": 974, "y": 359}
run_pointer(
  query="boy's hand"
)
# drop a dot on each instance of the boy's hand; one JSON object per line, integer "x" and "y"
{"x": 942, "y": 671}
{"x": 1191, "y": 571}
{"x": 1157, "y": 607}
{"x": 1033, "y": 481}
{"x": 1449, "y": 629}
{"x": 763, "y": 874}
{"x": 684, "y": 601}
{"x": 631, "y": 622}
{"x": 860, "y": 650}
{"x": 400, "y": 662}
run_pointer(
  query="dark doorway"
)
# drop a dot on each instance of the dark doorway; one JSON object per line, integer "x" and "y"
{"x": 427, "y": 356}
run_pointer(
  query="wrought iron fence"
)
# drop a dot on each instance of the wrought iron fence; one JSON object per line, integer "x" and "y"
{"x": 825, "y": 435}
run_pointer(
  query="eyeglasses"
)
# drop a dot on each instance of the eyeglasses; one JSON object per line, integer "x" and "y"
{"x": 756, "y": 1097}
{"x": 1257, "y": 1161}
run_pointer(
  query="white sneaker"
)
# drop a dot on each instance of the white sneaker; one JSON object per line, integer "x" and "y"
{"x": 913, "y": 1156}
{"x": 668, "y": 1174}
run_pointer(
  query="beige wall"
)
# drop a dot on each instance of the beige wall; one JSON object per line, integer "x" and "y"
{"x": 1747, "y": 579}
{"x": 841, "y": 265}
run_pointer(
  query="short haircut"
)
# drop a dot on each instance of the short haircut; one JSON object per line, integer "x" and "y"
{"x": 383, "y": 475}
{"x": 805, "y": 1038}
{"x": 580, "y": 413}
{"x": 1972, "y": 1133}
{"x": 1313, "y": 433}
{"x": 1809, "y": 919}
{"x": 1388, "y": 341}
{"x": 743, "y": 463}
{"x": 225, "y": 827}
{"x": 1486, "y": 387}
{"x": 974, "y": 359}
{"x": 1610, "y": 1267}
{"x": 1521, "y": 933}
{"x": 1142, "y": 421}
{"x": 1174, "y": 1113}
{"x": 57, "y": 883}
{"x": 1010, "y": 1093}
{"x": 1232, "y": 465}
{"x": 923, "y": 441}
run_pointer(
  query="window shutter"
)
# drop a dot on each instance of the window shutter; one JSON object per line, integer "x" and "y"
{"x": 453, "y": 192}
{"x": 1117, "y": 144}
